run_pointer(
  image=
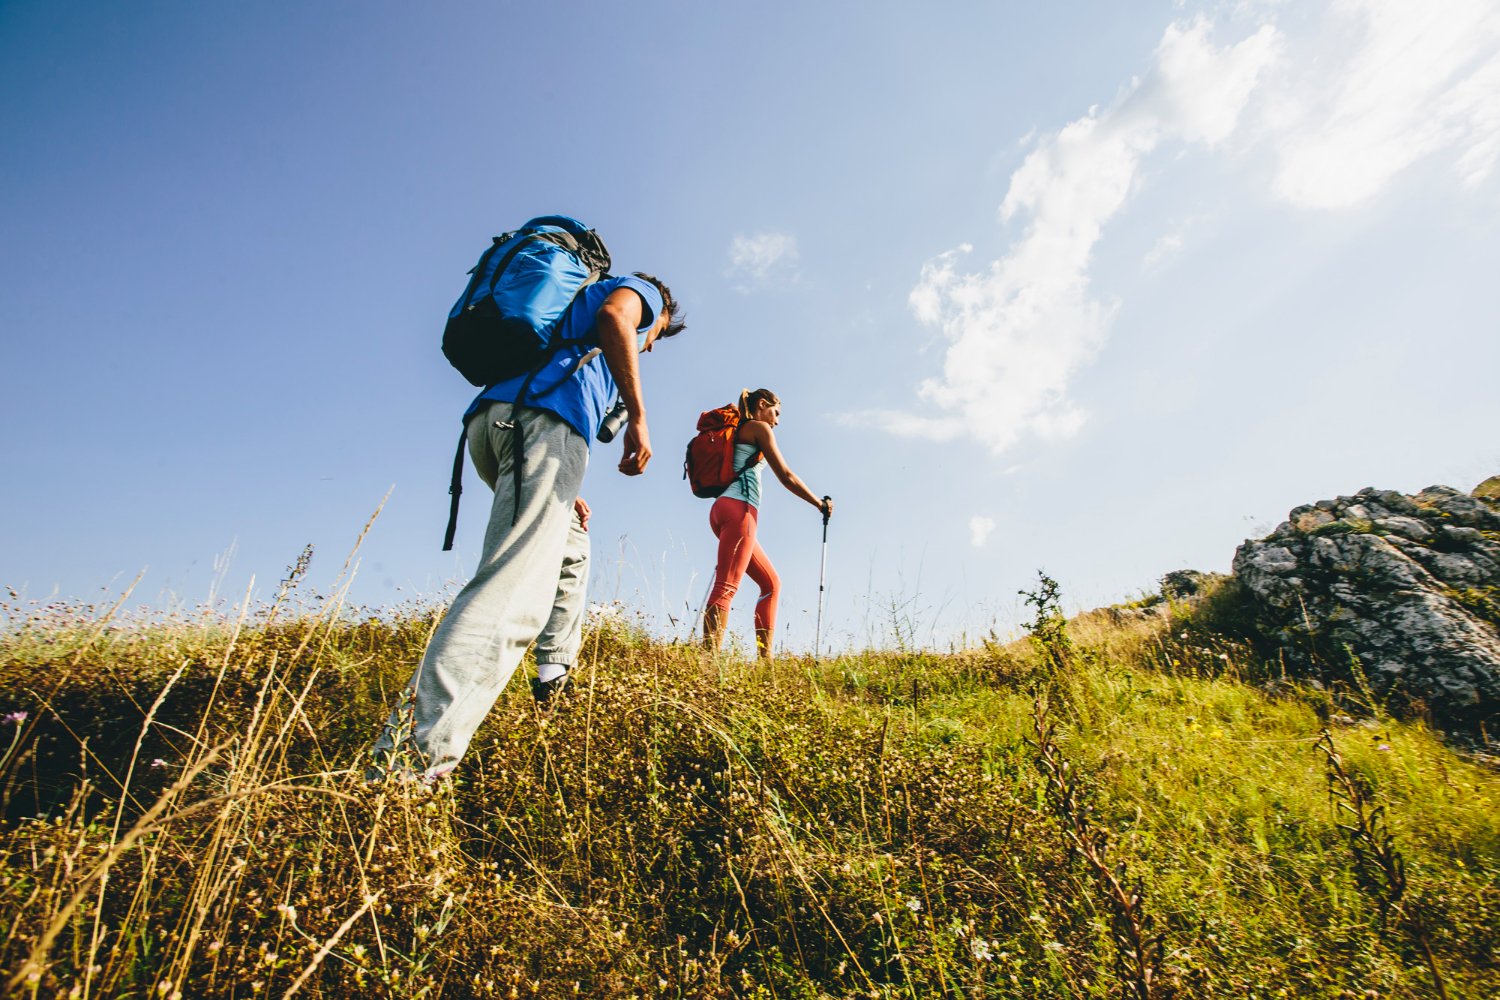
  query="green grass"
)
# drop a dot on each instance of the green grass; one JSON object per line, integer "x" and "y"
{"x": 180, "y": 818}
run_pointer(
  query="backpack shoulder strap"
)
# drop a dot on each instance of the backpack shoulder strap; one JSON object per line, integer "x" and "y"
{"x": 456, "y": 488}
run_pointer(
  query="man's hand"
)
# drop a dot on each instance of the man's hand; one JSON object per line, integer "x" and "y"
{"x": 581, "y": 508}
{"x": 637, "y": 448}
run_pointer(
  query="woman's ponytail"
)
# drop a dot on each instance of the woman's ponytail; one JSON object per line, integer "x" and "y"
{"x": 750, "y": 401}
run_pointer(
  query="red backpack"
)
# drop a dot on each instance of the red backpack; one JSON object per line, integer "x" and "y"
{"x": 709, "y": 466}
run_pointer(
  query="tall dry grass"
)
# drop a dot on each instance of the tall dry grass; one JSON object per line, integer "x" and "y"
{"x": 184, "y": 816}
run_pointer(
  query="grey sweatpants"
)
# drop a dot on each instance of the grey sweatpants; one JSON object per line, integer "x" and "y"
{"x": 529, "y": 586}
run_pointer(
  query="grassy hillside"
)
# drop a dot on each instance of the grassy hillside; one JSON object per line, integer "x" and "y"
{"x": 1108, "y": 808}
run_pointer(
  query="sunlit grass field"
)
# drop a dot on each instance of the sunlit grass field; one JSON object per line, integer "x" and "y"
{"x": 1108, "y": 807}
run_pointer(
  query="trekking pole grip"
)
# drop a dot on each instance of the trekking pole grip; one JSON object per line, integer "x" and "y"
{"x": 826, "y": 512}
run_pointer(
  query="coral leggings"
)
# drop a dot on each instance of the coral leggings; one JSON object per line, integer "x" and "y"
{"x": 734, "y": 523}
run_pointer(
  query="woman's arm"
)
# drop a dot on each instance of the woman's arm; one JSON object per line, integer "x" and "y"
{"x": 759, "y": 433}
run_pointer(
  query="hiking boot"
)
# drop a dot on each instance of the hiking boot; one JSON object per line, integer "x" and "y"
{"x": 548, "y": 693}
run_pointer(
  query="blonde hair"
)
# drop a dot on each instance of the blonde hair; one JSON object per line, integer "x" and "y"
{"x": 750, "y": 400}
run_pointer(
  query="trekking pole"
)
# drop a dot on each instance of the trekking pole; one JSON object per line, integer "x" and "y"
{"x": 822, "y": 575}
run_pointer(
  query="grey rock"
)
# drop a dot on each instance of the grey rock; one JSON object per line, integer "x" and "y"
{"x": 1403, "y": 590}
{"x": 1404, "y": 526}
{"x": 1462, "y": 537}
{"x": 1184, "y": 583}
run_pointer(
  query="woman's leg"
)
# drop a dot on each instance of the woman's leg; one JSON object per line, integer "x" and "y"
{"x": 764, "y": 575}
{"x": 733, "y": 523}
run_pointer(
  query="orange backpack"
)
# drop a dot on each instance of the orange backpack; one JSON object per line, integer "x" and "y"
{"x": 709, "y": 466}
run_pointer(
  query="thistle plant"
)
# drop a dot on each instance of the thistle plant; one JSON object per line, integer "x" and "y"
{"x": 1379, "y": 868}
{"x": 1138, "y": 946}
{"x": 1048, "y": 628}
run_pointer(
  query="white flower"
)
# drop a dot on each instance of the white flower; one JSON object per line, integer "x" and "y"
{"x": 914, "y": 905}
{"x": 614, "y": 611}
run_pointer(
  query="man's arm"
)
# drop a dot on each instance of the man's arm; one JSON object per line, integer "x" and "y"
{"x": 617, "y": 320}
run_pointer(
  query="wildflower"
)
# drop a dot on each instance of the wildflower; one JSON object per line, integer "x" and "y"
{"x": 1383, "y": 746}
{"x": 914, "y": 905}
{"x": 158, "y": 762}
{"x": 980, "y": 949}
{"x": 602, "y": 613}
{"x": 15, "y": 717}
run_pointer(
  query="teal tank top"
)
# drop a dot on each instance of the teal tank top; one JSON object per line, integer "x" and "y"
{"x": 746, "y": 485}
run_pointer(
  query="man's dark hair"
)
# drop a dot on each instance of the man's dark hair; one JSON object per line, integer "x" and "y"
{"x": 669, "y": 305}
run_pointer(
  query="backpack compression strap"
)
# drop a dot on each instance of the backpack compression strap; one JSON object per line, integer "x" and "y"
{"x": 589, "y": 252}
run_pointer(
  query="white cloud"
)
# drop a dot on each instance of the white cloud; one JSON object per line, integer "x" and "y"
{"x": 1410, "y": 80}
{"x": 1366, "y": 89}
{"x": 1020, "y": 329}
{"x": 762, "y": 259}
{"x": 1165, "y": 249}
{"x": 1171, "y": 242}
{"x": 980, "y": 529}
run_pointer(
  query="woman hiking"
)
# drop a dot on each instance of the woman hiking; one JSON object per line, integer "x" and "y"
{"x": 734, "y": 515}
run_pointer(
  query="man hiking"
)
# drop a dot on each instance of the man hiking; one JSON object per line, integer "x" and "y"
{"x": 533, "y": 565}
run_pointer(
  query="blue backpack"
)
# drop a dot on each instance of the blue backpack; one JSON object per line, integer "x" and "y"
{"x": 501, "y": 326}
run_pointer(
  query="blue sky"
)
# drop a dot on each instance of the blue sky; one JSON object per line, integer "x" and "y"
{"x": 1097, "y": 288}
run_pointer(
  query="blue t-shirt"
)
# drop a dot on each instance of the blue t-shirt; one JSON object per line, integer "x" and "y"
{"x": 579, "y": 394}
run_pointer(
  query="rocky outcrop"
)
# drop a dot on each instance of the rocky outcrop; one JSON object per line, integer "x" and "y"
{"x": 1405, "y": 589}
